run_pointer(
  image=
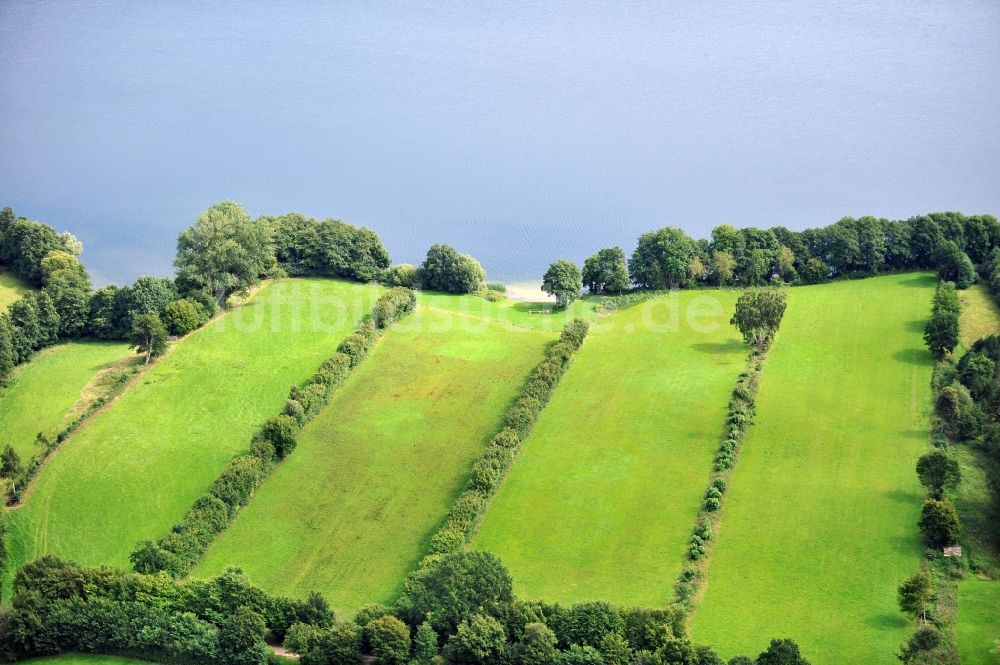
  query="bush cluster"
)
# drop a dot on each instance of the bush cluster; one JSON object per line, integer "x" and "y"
{"x": 179, "y": 551}
{"x": 490, "y": 468}
{"x": 59, "y": 607}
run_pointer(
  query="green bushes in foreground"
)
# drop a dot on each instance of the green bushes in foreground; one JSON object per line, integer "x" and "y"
{"x": 489, "y": 470}
{"x": 179, "y": 551}
{"x": 456, "y": 608}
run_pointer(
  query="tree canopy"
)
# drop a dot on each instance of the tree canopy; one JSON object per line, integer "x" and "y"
{"x": 563, "y": 281}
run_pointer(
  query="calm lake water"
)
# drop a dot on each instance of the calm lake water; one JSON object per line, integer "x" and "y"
{"x": 519, "y": 132}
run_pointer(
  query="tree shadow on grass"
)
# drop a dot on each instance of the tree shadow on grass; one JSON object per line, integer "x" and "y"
{"x": 717, "y": 348}
{"x": 915, "y": 326}
{"x": 919, "y": 281}
{"x": 914, "y": 356}
{"x": 887, "y": 621}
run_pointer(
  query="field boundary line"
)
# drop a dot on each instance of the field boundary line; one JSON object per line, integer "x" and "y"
{"x": 690, "y": 586}
{"x": 185, "y": 545}
{"x": 488, "y": 472}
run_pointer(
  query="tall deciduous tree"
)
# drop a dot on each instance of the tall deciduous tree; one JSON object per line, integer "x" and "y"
{"x": 915, "y": 595}
{"x": 445, "y": 269}
{"x": 563, "y": 280}
{"x": 938, "y": 472}
{"x": 149, "y": 335}
{"x": 758, "y": 314}
{"x": 224, "y": 250}
{"x": 661, "y": 258}
{"x": 606, "y": 271}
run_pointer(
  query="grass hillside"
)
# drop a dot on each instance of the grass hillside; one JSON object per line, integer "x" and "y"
{"x": 135, "y": 469}
{"x": 42, "y": 393}
{"x": 11, "y": 288}
{"x": 602, "y": 500}
{"x": 979, "y": 622}
{"x": 534, "y": 315}
{"x": 350, "y": 512}
{"x": 819, "y": 527}
{"x": 979, "y": 314}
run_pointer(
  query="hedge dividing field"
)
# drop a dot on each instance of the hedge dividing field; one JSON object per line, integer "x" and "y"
{"x": 373, "y": 475}
{"x": 134, "y": 470}
{"x": 11, "y": 288}
{"x": 42, "y": 391}
{"x": 820, "y": 524}
{"x": 601, "y": 502}
{"x": 979, "y": 622}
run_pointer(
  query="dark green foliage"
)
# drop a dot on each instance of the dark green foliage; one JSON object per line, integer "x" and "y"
{"x": 425, "y": 644}
{"x": 25, "y": 244}
{"x": 149, "y": 336}
{"x": 182, "y": 316}
{"x": 978, "y": 373}
{"x": 563, "y": 281}
{"x": 781, "y": 652}
{"x": 392, "y": 306}
{"x": 10, "y": 463}
{"x": 479, "y": 640}
{"x": 241, "y": 638}
{"x": 444, "y": 269}
{"x": 758, "y": 314}
{"x": 455, "y": 587}
{"x": 588, "y": 623}
{"x": 923, "y": 641}
{"x": 224, "y": 251}
{"x": 339, "y": 644}
{"x": 389, "y": 640}
{"x": 661, "y": 258}
{"x": 606, "y": 271}
{"x": 938, "y": 472}
{"x": 403, "y": 274}
{"x": 941, "y": 331}
{"x": 280, "y": 432}
{"x": 939, "y": 523}
{"x": 581, "y": 655}
{"x": 332, "y": 248}
{"x": 915, "y": 595}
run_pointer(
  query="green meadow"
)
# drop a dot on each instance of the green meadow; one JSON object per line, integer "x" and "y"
{"x": 11, "y": 288}
{"x": 83, "y": 659}
{"x": 43, "y": 392}
{"x": 351, "y": 511}
{"x": 979, "y": 315}
{"x": 979, "y": 622}
{"x": 603, "y": 497}
{"x": 819, "y": 526}
{"x": 524, "y": 314}
{"x": 134, "y": 469}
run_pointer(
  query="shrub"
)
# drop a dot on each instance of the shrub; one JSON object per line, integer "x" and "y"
{"x": 389, "y": 640}
{"x": 478, "y": 640}
{"x": 521, "y": 416}
{"x": 719, "y": 483}
{"x": 939, "y": 523}
{"x": 182, "y": 316}
{"x": 280, "y": 431}
{"x": 239, "y": 480}
{"x": 392, "y": 306}
{"x": 466, "y": 511}
{"x": 402, "y": 274}
{"x": 588, "y": 623}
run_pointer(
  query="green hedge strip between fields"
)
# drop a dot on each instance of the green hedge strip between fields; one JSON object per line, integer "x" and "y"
{"x": 488, "y": 472}
{"x": 180, "y": 550}
{"x": 739, "y": 417}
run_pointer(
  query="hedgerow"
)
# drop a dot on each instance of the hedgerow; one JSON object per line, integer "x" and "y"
{"x": 490, "y": 469}
{"x": 179, "y": 551}
{"x": 739, "y": 417}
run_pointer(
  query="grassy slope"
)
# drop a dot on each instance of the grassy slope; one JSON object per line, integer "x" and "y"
{"x": 83, "y": 659}
{"x": 350, "y": 512}
{"x": 979, "y": 622}
{"x": 820, "y": 524}
{"x": 11, "y": 288}
{"x": 601, "y": 503}
{"x": 511, "y": 312}
{"x": 133, "y": 470}
{"x": 43, "y": 390}
{"x": 979, "y": 314}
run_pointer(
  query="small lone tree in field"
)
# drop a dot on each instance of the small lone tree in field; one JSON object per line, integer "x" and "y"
{"x": 938, "y": 472}
{"x": 758, "y": 314}
{"x": 915, "y": 595}
{"x": 149, "y": 336}
{"x": 10, "y": 463}
{"x": 564, "y": 281}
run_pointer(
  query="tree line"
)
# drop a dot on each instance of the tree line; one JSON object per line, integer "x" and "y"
{"x": 666, "y": 258}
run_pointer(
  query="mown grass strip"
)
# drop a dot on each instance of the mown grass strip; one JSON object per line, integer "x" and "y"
{"x": 602, "y": 499}
{"x": 819, "y": 527}
{"x": 352, "y": 511}
{"x": 180, "y": 550}
{"x": 136, "y": 467}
